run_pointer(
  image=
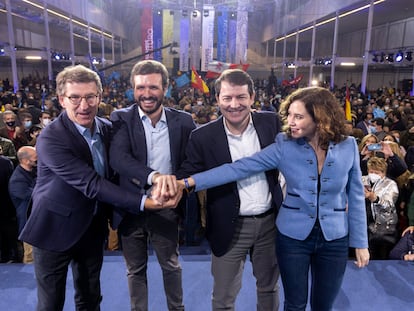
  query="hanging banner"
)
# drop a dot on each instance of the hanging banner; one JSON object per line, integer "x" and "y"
{"x": 241, "y": 37}
{"x": 222, "y": 33}
{"x": 232, "y": 38}
{"x": 157, "y": 34}
{"x": 167, "y": 33}
{"x": 207, "y": 45}
{"x": 195, "y": 39}
{"x": 184, "y": 43}
{"x": 147, "y": 39}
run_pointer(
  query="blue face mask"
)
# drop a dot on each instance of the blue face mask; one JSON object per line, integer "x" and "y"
{"x": 372, "y": 129}
{"x": 27, "y": 124}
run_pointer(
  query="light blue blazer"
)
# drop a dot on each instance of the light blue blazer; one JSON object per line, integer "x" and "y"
{"x": 339, "y": 204}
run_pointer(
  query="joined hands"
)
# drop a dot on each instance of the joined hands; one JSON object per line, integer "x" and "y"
{"x": 166, "y": 192}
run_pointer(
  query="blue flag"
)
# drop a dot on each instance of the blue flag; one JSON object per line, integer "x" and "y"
{"x": 182, "y": 80}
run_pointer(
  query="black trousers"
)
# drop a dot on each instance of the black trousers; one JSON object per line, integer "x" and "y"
{"x": 85, "y": 258}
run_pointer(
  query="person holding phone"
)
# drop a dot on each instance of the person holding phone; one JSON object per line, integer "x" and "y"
{"x": 381, "y": 195}
{"x": 370, "y": 146}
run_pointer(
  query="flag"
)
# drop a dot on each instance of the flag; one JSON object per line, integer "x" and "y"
{"x": 348, "y": 115}
{"x": 292, "y": 82}
{"x": 197, "y": 82}
{"x": 168, "y": 94}
{"x": 215, "y": 68}
{"x": 182, "y": 80}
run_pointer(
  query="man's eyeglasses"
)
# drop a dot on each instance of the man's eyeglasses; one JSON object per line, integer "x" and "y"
{"x": 76, "y": 99}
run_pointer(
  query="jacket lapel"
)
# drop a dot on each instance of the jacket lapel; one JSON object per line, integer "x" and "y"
{"x": 220, "y": 142}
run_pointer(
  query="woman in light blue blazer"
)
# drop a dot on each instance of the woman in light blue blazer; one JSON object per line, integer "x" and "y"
{"x": 323, "y": 212}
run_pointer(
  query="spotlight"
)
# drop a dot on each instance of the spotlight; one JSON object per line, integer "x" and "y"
{"x": 327, "y": 61}
{"x": 409, "y": 56}
{"x": 390, "y": 58}
{"x": 194, "y": 14}
{"x": 399, "y": 57}
{"x": 206, "y": 13}
{"x": 159, "y": 12}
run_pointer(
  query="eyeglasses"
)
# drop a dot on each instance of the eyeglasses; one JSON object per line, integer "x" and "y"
{"x": 76, "y": 99}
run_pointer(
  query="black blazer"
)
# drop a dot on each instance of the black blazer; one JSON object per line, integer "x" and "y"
{"x": 208, "y": 148}
{"x": 68, "y": 188}
{"x": 128, "y": 151}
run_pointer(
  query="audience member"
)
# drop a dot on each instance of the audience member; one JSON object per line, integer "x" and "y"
{"x": 381, "y": 194}
{"x": 378, "y": 123}
{"x": 396, "y": 121}
{"x": 7, "y": 149}
{"x": 26, "y": 121}
{"x": 12, "y": 131}
{"x": 21, "y": 186}
{"x": 45, "y": 119}
{"x": 404, "y": 249}
{"x": 365, "y": 123}
{"x": 34, "y": 132}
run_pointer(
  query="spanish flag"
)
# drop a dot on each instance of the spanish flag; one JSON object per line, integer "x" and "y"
{"x": 197, "y": 82}
{"x": 348, "y": 115}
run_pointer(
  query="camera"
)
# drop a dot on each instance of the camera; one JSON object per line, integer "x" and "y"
{"x": 374, "y": 147}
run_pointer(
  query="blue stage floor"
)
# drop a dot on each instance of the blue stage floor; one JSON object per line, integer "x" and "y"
{"x": 383, "y": 285}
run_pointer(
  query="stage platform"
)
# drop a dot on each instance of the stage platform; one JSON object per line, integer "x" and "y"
{"x": 383, "y": 285}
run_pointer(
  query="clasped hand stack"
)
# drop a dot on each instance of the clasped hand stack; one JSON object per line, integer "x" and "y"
{"x": 166, "y": 191}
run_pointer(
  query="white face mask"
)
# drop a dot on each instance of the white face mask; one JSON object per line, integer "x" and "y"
{"x": 46, "y": 121}
{"x": 374, "y": 177}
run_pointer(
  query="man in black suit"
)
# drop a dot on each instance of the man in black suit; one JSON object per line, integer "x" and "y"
{"x": 21, "y": 186}
{"x": 240, "y": 216}
{"x": 148, "y": 140}
{"x": 68, "y": 222}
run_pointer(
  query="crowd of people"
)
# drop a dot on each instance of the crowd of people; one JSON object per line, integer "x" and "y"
{"x": 148, "y": 135}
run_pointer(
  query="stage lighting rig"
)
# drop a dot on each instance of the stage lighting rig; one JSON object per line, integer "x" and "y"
{"x": 399, "y": 57}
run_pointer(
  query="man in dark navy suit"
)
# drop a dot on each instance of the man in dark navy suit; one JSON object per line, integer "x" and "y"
{"x": 21, "y": 186}
{"x": 68, "y": 222}
{"x": 240, "y": 215}
{"x": 148, "y": 140}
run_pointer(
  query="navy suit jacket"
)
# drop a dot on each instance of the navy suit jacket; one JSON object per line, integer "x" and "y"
{"x": 68, "y": 188}
{"x": 21, "y": 186}
{"x": 128, "y": 152}
{"x": 208, "y": 147}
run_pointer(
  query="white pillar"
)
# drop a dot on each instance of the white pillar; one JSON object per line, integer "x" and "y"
{"x": 312, "y": 58}
{"x": 72, "y": 41}
{"x": 284, "y": 58}
{"x": 367, "y": 47}
{"x": 12, "y": 46}
{"x": 334, "y": 51}
{"x": 296, "y": 54}
{"x": 48, "y": 50}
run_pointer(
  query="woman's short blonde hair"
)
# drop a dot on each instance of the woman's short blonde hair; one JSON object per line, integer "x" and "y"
{"x": 378, "y": 164}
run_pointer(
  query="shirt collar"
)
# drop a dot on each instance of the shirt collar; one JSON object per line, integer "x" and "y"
{"x": 249, "y": 126}
{"x": 144, "y": 117}
{"x": 84, "y": 131}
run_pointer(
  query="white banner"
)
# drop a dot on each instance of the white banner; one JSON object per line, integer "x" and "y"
{"x": 241, "y": 37}
{"x": 207, "y": 47}
{"x": 195, "y": 39}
